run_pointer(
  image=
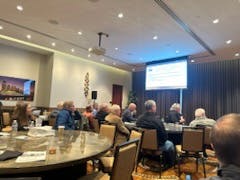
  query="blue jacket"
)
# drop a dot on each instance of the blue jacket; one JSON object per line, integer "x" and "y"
{"x": 65, "y": 118}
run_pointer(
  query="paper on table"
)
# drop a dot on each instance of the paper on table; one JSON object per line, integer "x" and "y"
{"x": 31, "y": 156}
{"x": 22, "y": 137}
{"x": 4, "y": 134}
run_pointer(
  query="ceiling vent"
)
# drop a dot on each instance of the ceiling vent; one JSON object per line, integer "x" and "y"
{"x": 98, "y": 50}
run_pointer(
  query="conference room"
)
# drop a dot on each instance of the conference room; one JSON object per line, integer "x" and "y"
{"x": 102, "y": 52}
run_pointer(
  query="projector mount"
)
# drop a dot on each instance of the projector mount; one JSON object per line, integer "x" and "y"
{"x": 100, "y": 37}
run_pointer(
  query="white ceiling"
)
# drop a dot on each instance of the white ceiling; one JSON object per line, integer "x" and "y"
{"x": 183, "y": 25}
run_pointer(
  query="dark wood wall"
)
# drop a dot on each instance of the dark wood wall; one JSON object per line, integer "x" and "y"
{"x": 213, "y": 86}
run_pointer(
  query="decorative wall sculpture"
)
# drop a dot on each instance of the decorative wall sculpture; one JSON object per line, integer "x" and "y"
{"x": 86, "y": 84}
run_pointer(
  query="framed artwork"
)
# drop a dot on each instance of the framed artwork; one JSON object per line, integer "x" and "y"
{"x": 16, "y": 89}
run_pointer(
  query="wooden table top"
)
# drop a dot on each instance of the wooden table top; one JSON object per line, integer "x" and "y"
{"x": 73, "y": 148}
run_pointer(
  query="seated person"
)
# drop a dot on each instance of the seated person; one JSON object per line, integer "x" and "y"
{"x": 23, "y": 114}
{"x": 149, "y": 120}
{"x": 102, "y": 113}
{"x": 88, "y": 114}
{"x": 55, "y": 112}
{"x": 114, "y": 118}
{"x": 77, "y": 118}
{"x": 225, "y": 139}
{"x": 174, "y": 115}
{"x": 94, "y": 109}
{"x": 127, "y": 115}
{"x": 1, "y": 115}
{"x": 64, "y": 117}
{"x": 201, "y": 119}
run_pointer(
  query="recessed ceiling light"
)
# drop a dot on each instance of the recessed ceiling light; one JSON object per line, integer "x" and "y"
{"x": 177, "y": 51}
{"x": 1, "y": 27}
{"x": 19, "y": 7}
{"x": 155, "y": 37}
{"x": 79, "y": 33}
{"x": 228, "y": 41}
{"x": 89, "y": 55}
{"x": 29, "y": 36}
{"x": 120, "y": 15}
{"x": 237, "y": 54}
{"x": 192, "y": 60}
{"x": 116, "y": 49}
{"x": 53, "y": 44}
{"x": 102, "y": 60}
{"x": 72, "y": 50}
{"x": 215, "y": 21}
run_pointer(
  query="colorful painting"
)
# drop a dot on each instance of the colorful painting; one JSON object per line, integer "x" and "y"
{"x": 16, "y": 89}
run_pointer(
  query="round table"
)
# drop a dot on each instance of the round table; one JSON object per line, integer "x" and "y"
{"x": 73, "y": 149}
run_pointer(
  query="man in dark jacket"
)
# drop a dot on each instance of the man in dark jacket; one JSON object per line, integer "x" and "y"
{"x": 149, "y": 120}
{"x": 127, "y": 115}
{"x": 225, "y": 139}
{"x": 102, "y": 113}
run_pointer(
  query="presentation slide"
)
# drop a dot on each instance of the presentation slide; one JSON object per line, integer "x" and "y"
{"x": 169, "y": 75}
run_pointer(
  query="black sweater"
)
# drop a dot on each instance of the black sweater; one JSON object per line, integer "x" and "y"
{"x": 149, "y": 120}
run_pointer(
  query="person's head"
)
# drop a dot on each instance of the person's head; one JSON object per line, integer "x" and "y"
{"x": 95, "y": 106}
{"x": 88, "y": 108}
{"x": 21, "y": 112}
{"x": 115, "y": 109}
{"x": 175, "y": 107}
{"x": 69, "y": 105}
{"x": 225, "y": 138}
{"x": 200, "y": 113}
{"x": 132, "y": 107}
{"x": 104, "y": 107}
{"x": 29, "y": 109}
{"x": 60, "y": 105}
{"x": 150, "y": 106}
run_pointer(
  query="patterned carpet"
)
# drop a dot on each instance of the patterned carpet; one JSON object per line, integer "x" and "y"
{"x": 188, "y": 168}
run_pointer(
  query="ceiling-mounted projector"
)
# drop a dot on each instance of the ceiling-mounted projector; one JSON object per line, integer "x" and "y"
{"x": 98, "y": 50}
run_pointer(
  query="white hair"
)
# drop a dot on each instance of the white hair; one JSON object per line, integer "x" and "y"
{"x": 175, "y": 107}
{"x": 149, "y": 104}
{"x": 200, "y": 112}
{"x": 115, "y": 108}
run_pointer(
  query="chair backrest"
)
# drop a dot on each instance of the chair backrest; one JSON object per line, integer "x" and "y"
{"x": 95, "y": 125}
{"x": 6, "y": 119}
{"x": 124, "y": 160}
{"x": 207, "y": 132}
{"x": 135, "y": 135}
{"x": 193, "y": 139}
{"x": 149, "y": 141}
{"x": 52, "y": 121}
{"x": 109, "y": 131}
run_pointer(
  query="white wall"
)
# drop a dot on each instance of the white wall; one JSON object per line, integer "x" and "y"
{"x": 68, "y": 80}
{"x": 19, "y": 63}
{"x": 61, "y": 77}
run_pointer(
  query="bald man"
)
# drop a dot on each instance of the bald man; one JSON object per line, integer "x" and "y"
{"x": 127, "y": 115}
{"x": 201, "y": 119}
{"x": 225, "y": 139}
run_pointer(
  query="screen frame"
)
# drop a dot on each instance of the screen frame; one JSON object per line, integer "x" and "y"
{"x": 165, "y": 61}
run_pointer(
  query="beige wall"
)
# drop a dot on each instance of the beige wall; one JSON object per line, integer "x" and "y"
{"x": 61, "y": 77}
{"x": 68, "y": 80}
{"x": 19, "y": 63}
